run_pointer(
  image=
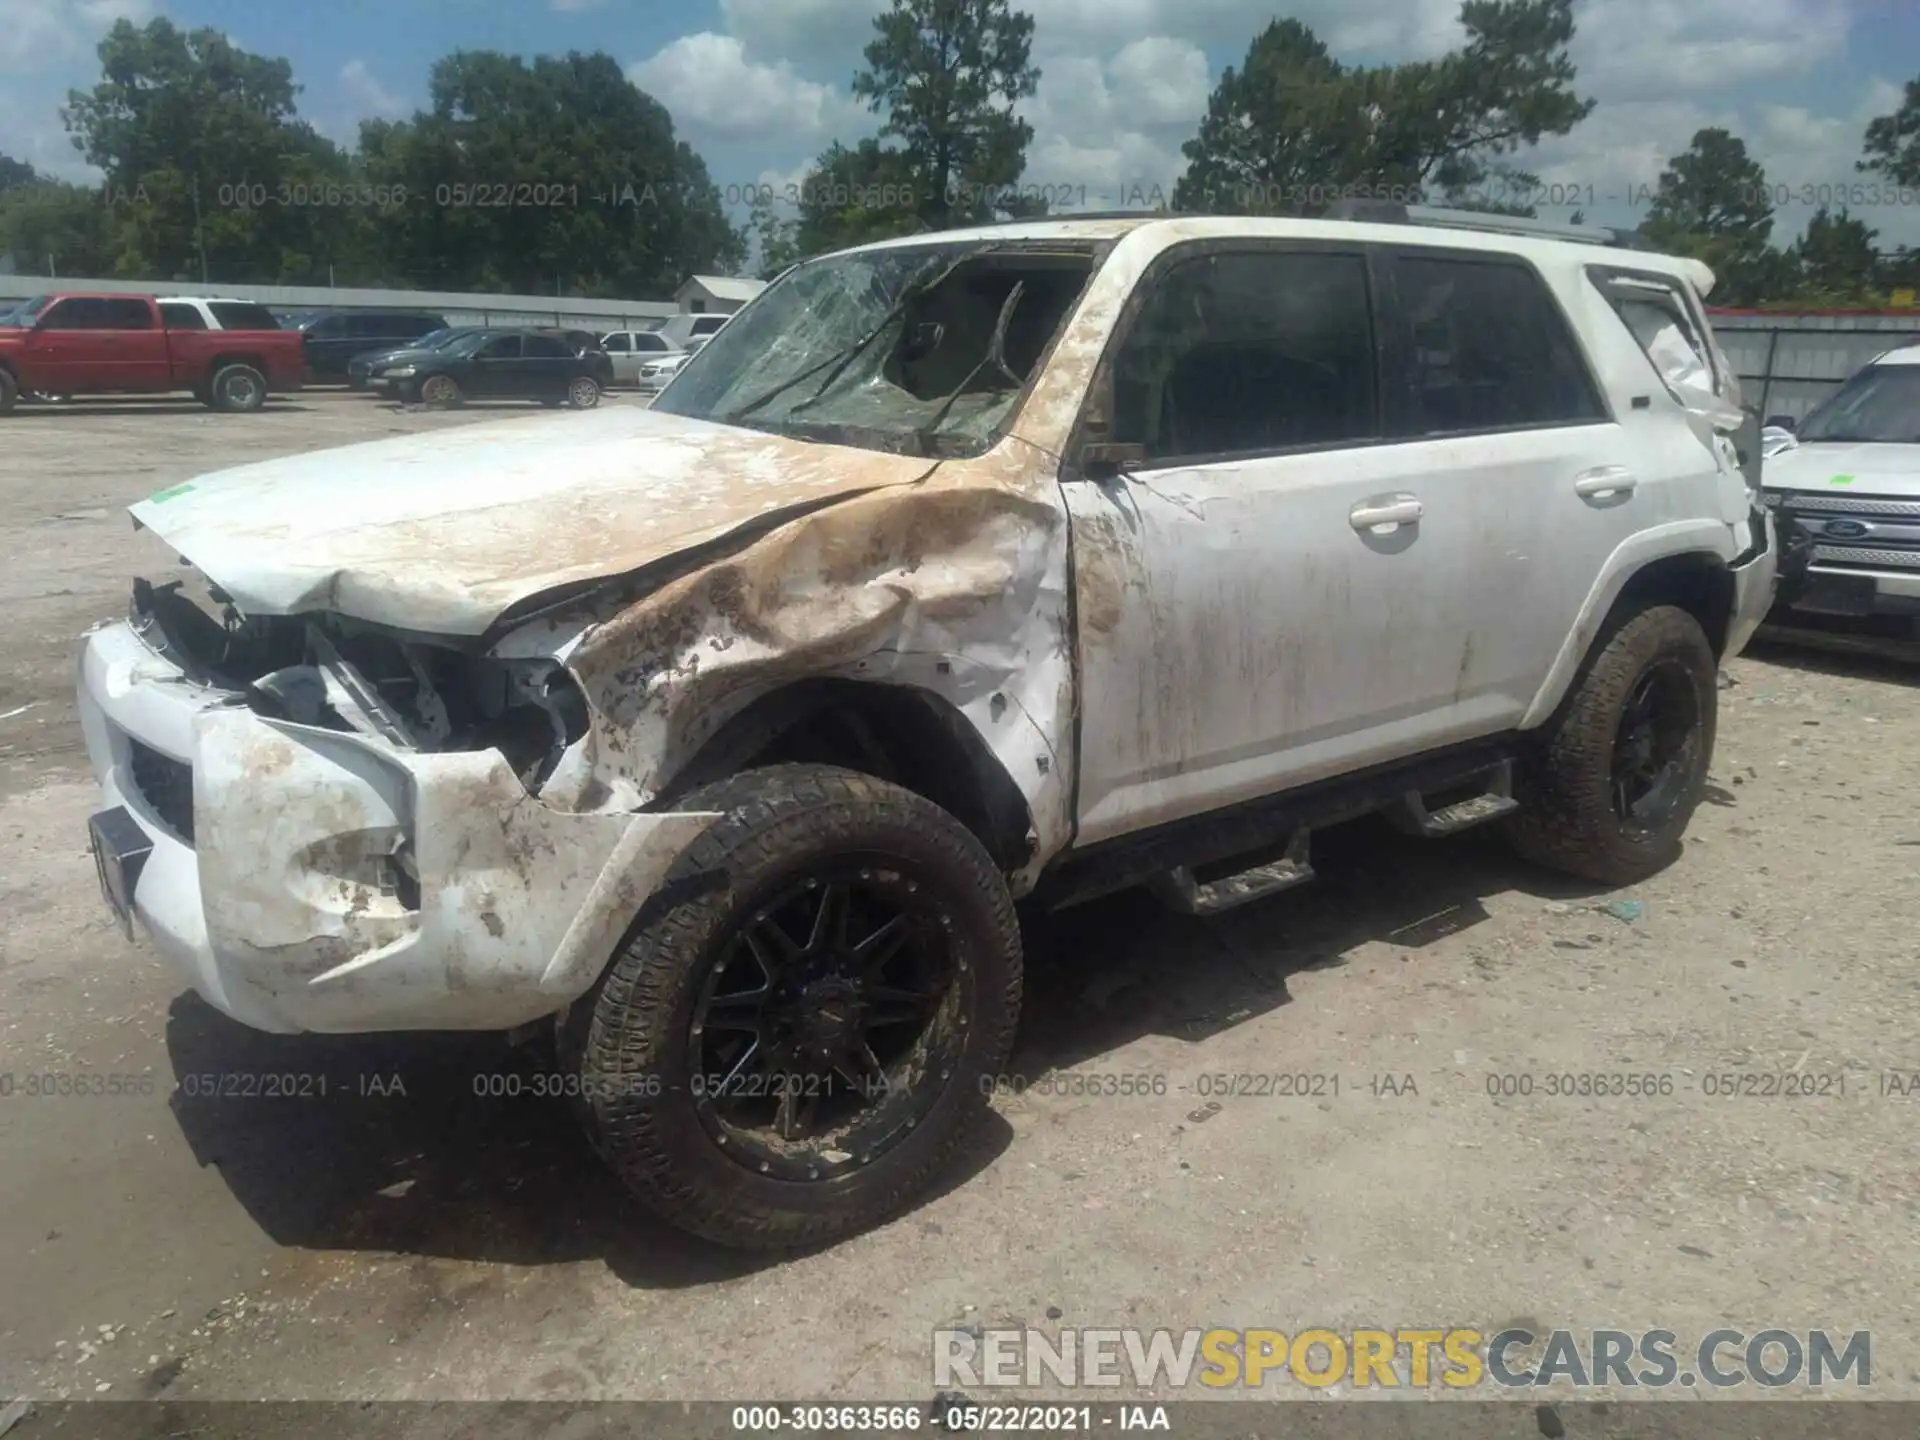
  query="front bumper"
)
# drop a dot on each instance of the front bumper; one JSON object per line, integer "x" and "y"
{"x": 272, "y": 888}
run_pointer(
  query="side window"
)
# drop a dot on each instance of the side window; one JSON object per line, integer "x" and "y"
{"x": 1657, "y": 314}
{"x": 1253, "y": 351}
{"x": 179, "y": 316}
{"x": 239, "y": 315}
{"x": 75, "y": 314}
{"x": 708, "y": 324}
{"x": 1487, "y": 349}
{"x": 651, "y": 343}
{"x": 617, "y": 344}
{"x": 331, "y": 327}
{"x": 125, "y": 315}
{"x": 372, "y": 327}
{"x": 501, "y": 347}
{"x": 547, "y": 347}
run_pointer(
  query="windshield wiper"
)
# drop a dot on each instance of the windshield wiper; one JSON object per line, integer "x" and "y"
{"x": 839, "y": 362}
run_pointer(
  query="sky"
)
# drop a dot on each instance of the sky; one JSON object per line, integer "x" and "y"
{"x": 761, "y": 86}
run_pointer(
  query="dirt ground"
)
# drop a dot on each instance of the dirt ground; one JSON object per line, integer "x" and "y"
{"x": 403, "y": 1237}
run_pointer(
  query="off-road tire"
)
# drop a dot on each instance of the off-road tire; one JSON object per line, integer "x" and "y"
{"x": 1567, "y": 821}
{"x": 236, "y": 389}
{"x": 776, "y": 824}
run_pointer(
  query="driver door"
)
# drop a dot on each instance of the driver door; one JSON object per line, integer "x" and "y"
{"x": 1273, "y": 591}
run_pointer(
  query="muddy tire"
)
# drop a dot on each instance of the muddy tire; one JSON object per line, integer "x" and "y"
{"x": 1622, "y": 766}
{"x": 237, "y": 389}
{"x": 9, "y": 392}
{"x": 797, "y": 1032}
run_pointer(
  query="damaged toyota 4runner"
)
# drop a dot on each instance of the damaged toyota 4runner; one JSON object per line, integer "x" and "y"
{"x": 1022, "y": 563}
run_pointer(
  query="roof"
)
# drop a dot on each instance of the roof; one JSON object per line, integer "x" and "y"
{"x": 1908, "y": 354}
{"x": 726, "y": 287}
{"x": 1170, "y": 228}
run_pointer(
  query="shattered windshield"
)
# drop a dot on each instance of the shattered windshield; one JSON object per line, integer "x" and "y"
{"x": 1879, "y": 405}
{"x": 922, "y": 348}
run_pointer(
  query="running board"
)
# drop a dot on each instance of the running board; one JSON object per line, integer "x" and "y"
{"x": 1178, "y": 889}
{"x": 1412, "y": 815}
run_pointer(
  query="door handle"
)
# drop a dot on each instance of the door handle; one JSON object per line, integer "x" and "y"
{"x": 1605, "y": 480}
{"x": 1389, "y": 510}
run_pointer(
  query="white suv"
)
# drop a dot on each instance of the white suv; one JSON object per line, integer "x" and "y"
{"x": 1030, "y": 561}
{"x": 1847, "y": 482}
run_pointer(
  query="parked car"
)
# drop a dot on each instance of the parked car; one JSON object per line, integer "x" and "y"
{"x": 630, "y": 349}
{"x": 680, "y": 331}
{"x": 334, "y": 337}
{"x": 366, "y": 371}
{"x": 62, "y": 345}
{"x": 654, "y": 374}
{"x": 500, "y": 364}
{"x": 1030, "y": 561}
{"x": 1845, "y": 483}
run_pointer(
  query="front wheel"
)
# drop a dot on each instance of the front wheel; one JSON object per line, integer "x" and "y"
{"x": 237, "y": 388}
{"x": 1623, "y": 765}
{"x": 441, "y": 391}
{"x": 805, "y": 1019}
{"x": 584, "y": 393}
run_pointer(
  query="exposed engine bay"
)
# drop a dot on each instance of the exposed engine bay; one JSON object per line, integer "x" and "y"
{"x": 342, "y": 674}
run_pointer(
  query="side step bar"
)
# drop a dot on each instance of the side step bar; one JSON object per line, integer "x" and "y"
{"x": 1178, "y": 889}
{"x": 1412, "y": 816}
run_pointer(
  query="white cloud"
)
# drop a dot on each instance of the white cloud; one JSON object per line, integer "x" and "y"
{"x": 1655, "y": 49}
{"x": 367, "y": 95}
{"x": 713, "y": 89}
{"x": 37, "y": 36}
{"x": 1107, "y": 134}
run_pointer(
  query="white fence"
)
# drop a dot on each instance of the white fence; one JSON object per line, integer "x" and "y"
{"x": 458, "y": 308}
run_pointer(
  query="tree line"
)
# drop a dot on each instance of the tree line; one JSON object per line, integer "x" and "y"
{"x": 559, "y": 175}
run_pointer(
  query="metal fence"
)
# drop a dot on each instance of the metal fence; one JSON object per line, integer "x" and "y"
{"x": 458, "y": 308}
{"x": 1790, "y": 362}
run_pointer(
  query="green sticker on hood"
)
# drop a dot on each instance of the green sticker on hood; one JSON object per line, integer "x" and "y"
{"x": 1841, "y": 480}
{"x": 160, "y": 497}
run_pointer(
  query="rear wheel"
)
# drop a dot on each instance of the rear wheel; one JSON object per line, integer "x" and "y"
{"x": 1623, "y": 765}
{"x": 583, "y": 393}
{"x": 802, "y": 1023}
{"x": 236, "y": 388}
{"x": 441, "y": 390}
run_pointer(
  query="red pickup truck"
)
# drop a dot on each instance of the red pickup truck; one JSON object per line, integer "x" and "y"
{"x": 78, "y": 344}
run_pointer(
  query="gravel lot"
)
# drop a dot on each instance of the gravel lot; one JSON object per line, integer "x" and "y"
{"x": 435, "y": 1244}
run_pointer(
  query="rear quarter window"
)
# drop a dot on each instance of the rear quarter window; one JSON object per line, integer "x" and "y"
{"x": 238, "y": 315}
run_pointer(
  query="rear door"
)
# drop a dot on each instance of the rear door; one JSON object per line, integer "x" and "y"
{"x": 1517, "y": 439}
{"x": 547, "y": 366}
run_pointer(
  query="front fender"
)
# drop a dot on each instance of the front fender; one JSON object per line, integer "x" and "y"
{"x": 1711, "y": 539}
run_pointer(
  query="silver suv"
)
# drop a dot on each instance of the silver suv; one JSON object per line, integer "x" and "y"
{"x": 1019, "y": 563}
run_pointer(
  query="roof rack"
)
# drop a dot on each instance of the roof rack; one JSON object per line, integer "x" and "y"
{"x": 1387, "y": 212}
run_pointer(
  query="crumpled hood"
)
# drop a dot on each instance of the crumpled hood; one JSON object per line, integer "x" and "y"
{"x": 1846, "y": 469}
{"x": 442, "y": 532}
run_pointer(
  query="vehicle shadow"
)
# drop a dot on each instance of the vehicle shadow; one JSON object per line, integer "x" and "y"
{"x": 412, "y": 1149}
{"x": 1104, "y": 974}
{"x": 40, "y": 410}
{"x": 442, "y": 1145}
{"x": 1840, "y": 654}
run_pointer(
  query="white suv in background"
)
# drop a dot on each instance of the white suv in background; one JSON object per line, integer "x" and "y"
{"x": 719, "y": 737}
{"x": 630, "y": 349}
{"x": 1847, "y": 480}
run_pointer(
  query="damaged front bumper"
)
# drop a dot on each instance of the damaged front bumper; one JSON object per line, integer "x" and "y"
{"x": 302, "y": 878}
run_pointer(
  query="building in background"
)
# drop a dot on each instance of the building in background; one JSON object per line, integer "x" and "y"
{"x": 715, "y": 294}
